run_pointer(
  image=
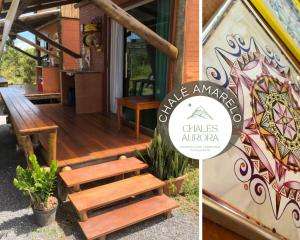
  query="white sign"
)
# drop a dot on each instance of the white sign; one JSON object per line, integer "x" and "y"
{"x": 200, "y": 127}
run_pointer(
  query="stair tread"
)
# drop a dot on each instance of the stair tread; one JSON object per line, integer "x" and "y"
{"x": 117, "y": 219}
{"x": 113, "y": 192}
{"x": 102, "y": 171}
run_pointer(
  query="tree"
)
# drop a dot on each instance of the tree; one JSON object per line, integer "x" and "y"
{"x": 17, "y": 68}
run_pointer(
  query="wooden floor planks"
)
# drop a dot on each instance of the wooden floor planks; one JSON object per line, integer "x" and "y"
{"x": 86, "y": 137}
{"x": 102, "y": 171}
{"x": 113, "y": 192}
{"x": 123, "y": 217}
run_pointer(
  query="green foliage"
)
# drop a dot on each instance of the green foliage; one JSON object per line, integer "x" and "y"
{"x": 36, "y": 182}
{"x": 164, "y": 162}
{"x": 17, "y": 68}
{"x": 191, "y": 186}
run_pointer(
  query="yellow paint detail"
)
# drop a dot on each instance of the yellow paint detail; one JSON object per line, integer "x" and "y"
{"x": 277, "y": 27}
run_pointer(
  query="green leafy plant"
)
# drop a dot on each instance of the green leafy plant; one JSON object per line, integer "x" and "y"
{"x": 36, "y": 182}
{"x": 164, "y": 162}
{"x": 191, "y": 186}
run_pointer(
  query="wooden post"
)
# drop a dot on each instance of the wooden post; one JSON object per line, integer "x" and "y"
{"x": 40, "y": 6}
{"x": 168, "y": 214}
{"x": 160, "y": 191}
{"x": 38, "y": 52}
{"x": 119, "y": 114}
{"x": 83, "y": 216}
{"x": 77, "y": 188}
{"x": 52, "y": 141}
{"x": 132, "y": 24}
{"x": 137, "y": 122}
{"x": 1, "y": 5}
{"x": 45, "y": 38}
{"x": 27, "y": 146}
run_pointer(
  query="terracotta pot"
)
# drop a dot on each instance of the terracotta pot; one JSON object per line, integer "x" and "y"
{"x": 178, "y": 182}
{"x": 44, "y": 217}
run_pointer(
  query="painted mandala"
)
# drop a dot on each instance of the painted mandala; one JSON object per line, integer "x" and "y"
{"x": 278, "y": 120}
{"x": 269, "y": 96}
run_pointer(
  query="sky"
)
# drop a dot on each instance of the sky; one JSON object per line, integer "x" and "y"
{"x": 23, "y": 45}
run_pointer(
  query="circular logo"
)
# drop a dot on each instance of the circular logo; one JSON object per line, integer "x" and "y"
{"x": 278, "y": 120}
{"x": 200, "y": 119}
{"x": 200, "y": 127}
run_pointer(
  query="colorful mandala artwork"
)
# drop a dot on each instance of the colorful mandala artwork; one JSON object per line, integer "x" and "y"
{"x": 271, "y": 134}
{"x": 278, "y": 120}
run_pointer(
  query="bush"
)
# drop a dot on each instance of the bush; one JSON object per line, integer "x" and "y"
{"x": 191, "y": 186}
{"x": 36, "y": 182}
{"x": 164, "y": 162}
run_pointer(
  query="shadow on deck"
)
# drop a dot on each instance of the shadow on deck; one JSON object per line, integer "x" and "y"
{"x": 87, "y": 137}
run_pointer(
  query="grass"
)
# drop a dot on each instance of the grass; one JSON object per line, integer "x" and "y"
{"x": 190, "y": 198}
{"x": 191, "y": 186}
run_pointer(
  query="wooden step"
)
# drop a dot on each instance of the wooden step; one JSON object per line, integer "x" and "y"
{"x": 102, "y": 171}
{"x": 113, "y": 192}
{"x": 117, "y": 219}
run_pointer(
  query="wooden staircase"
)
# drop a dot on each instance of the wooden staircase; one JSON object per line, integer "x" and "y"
{"x": 120, "y": 215}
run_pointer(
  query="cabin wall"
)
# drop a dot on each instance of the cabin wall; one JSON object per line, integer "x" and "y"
{"x": 69, "y": 29}
{"x": 87, "y": 14}
{"x": 191, "y": 42}
{"x": 70, "y": 38}
{"x": 69, "y": 11}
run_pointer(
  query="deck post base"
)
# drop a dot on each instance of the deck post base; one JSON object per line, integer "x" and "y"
{"x": 27, "y": 146}
{"x": 168, "y": 214}
{"x": 102, "y": 238}
{"x": 77, "y": 188}
{"x": 83, "y": 216}
{"x": 52, "y": 142}
{"x": 160, "y": 191}
{"x": 35, "y": 141}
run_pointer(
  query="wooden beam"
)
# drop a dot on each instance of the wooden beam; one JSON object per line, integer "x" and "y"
{"x": 35, "y": 16}
{"x": 49, "y": 5}
{"x": 1, "y": 5}
{"x": 82, "y": 3}
{"x": 27, "y": 27}
{"x": 22, "y": 51}
{"x": 9, "y": 20}
{"x": 36, "y": 46}
{"x": 38, "y": 7}
{"x": 132, "y": 24}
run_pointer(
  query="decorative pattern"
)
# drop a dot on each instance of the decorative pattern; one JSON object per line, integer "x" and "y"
{"x": 271, "y": 133}
{"x": 278, "y": 120}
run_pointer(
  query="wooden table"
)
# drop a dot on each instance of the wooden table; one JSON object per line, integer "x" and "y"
{"x": 137, "y": 104}
{"x": 27, "y": 120}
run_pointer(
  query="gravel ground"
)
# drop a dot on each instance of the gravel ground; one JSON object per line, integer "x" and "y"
{"x": 16, "y": 220}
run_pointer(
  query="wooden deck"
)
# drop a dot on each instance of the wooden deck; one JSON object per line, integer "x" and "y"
{"x": 87, "y": 137}
{"x": 31, "y": 92}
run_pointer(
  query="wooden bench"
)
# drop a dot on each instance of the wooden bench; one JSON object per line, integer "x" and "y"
{"x": 27, "y": 121}
{"x": 3, "y": 82}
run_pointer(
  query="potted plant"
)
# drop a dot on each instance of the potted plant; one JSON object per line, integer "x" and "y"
{"x": 38, "y": 183}
{"x": 166, "y": 163}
